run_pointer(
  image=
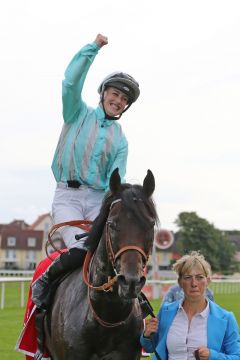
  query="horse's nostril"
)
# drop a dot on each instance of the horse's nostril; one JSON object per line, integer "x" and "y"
{"x": 142, "y": 280}
{"x": 122, "y": 280}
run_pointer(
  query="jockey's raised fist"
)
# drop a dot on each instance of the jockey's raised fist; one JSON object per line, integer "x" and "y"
{"x": 101, "y": 40}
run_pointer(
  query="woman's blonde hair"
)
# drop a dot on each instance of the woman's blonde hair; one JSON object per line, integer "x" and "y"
{"x": 187, "y": 262}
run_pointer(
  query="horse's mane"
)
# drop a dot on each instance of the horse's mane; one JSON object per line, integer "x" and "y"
{"x": 134, "y": 200}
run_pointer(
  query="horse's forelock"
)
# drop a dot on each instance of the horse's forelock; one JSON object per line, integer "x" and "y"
{"x": 130, "y": 196}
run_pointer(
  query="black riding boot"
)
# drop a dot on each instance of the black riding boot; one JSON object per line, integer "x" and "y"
{"x": 67, "y": 261}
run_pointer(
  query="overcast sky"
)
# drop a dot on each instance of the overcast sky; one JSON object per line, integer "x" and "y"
{"x": 185, "y": 126}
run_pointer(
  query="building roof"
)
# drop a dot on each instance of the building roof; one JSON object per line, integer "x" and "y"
{"x": 18, "y": 224}
{"x": 20, "y": 231}
{"x": 39, "y": 220}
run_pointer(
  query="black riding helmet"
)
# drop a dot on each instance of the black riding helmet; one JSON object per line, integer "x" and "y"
{"x": 123, "y": 82}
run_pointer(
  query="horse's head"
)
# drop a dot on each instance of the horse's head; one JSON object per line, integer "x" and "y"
{"x": 129, "y": 232}
{"x": 123, "y": 234}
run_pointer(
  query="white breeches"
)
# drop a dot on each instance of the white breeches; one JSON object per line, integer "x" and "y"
{"x": 75, "y": 204}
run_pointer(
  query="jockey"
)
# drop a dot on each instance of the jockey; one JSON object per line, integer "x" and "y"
{"x": 91, "y": 145}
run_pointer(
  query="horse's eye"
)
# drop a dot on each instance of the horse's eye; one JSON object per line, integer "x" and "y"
{"x": 113, "y": 225}
{"x": 152, "y": 223}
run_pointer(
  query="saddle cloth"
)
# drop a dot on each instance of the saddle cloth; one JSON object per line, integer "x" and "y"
{"x": 27, "y": 341}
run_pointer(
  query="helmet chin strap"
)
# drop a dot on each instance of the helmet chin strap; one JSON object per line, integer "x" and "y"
{"x": 108, "y": 117}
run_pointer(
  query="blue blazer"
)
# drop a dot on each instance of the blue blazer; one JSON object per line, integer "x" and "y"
{"x": 222, "y": 332}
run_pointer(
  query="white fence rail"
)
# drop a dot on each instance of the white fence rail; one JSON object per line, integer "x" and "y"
{"x": 154, "y": 288}
{"x": 15, "y": 273}
{"x": 21, "y": 280}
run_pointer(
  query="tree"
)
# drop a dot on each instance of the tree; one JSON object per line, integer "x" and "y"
{"x": 196, "y": 233}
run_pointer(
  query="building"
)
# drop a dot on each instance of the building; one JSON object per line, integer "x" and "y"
{"x": 20, "y": 246}
{"x": 23, "y": 246}
{"x": 44, "y": 223}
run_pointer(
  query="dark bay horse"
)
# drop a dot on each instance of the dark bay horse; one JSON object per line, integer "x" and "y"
{"x": 100, "y": 318}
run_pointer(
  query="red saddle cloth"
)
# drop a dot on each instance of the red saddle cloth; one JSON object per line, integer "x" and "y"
{"x": 27, "y": 341}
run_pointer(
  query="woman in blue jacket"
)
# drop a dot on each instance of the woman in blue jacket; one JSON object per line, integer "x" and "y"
{"x": 195, "y": 325}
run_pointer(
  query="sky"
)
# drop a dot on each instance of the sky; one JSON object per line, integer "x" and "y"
{"x": 184, "y": 127}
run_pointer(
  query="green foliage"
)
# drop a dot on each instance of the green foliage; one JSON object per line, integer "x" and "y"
{"x": 198, "y": 234}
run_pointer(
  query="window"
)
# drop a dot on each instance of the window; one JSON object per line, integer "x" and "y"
{"x": 31, "y": 255}
{"x": 10, "y": 255}
{"x": 31, "y": 241}
{"x": 31, "y": 260}
{"x": 11, "y": 241}
{"x": 46, "y": 226}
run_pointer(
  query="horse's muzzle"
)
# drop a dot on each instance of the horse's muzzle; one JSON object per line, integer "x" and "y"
{"x": 130, "y": 287}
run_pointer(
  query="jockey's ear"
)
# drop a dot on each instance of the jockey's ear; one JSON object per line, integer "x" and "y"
{"x": 149, "y": 184}
{"x": 115, "y": 181}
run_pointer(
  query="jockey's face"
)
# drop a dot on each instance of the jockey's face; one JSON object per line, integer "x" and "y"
{"x": 114, "y": 101}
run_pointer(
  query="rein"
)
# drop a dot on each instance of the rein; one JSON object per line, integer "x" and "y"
{"x": 106, "y": 286}
{"x": 105, "y": 323}
{"x": 82, "y": 224}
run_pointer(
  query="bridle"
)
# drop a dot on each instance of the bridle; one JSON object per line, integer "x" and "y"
{"x": 112, "y": 257}
{"x": 106, "y": 287}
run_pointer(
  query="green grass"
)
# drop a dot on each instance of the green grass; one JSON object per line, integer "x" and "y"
{"x": 11, "y": 318}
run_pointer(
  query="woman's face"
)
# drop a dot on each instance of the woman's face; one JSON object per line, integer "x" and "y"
{"x": 194, "y": 283}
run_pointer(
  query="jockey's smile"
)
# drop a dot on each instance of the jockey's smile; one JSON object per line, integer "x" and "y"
{"x": 114, "y": 101}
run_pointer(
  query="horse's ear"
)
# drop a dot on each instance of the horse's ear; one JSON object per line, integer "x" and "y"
{"x": 149, "y": 184}
{"x": 115, "y": 181}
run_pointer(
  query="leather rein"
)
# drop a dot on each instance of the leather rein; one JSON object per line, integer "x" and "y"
{"x": 82, "y": 224}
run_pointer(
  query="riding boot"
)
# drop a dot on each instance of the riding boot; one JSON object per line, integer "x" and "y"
{"x": 39, "y": 324}
{"x": 67, "y": 261}
{"x": 40, "y": 287}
